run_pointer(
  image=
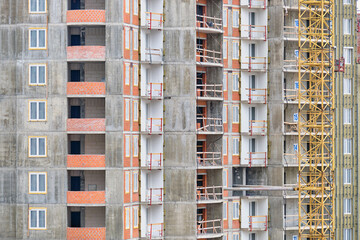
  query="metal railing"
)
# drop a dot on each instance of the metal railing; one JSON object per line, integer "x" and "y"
{"x": 154, "y": 160}
{"x": 154, "y": 90}
{"x": 291, "y": 65}
{"x": 254, "y": 63}
{"x": 291, "y": 127}
{"x": 209, "y": 193}
{"x": 205, "y": 124}
{"x": 209, "y": 22}
{"x": 256, "y": 95}
{"x": 208, "y": 56}
{"x": 155, "y": 230}
{"x": 209, "y": 90}
{"x": 258, "y": 222}
{"x": 153, "y": 54}
{"x": 209, "y": 227}
{"x": 257, "y": 158}
{"x": 207, "y": 159}
{"x": 257, "y": 127}
{"x": 154, "y": 20}
{"x": 154, "y": 125}
{"x": 253, "y": 32}
{"x": 154, "y": 195}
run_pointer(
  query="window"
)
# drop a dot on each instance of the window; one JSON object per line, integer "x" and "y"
{"x": 127, "y": 182}
{"x": 252, "y": 236}
{"x": 37, "y": 74}
{"x": 136, "y": 217}
{"x": 127, "y": 74}
{"x": 37, "y": 146}
{"x": 235, "y": 81}
{"x": 235, "y": 236}
{"x": 347, "y": 206}
{"x": 136, "y": 111}
{"x": 347, "y": 1}
{"x": 224, "y": 145}
{"x": 37, "y": 6}
{"x": 225, "y": 210}
{"x": 136, "y": 75}
{"x": 347, "y": 85}
{"x": 136, "y": 40}
{"x": 127, "y": 217}
{"x": 225, "y": 49}
{"x": 225, "y": 81}
{"x": 127, "y": 109}
{"x": 225, "y": 113}
{"x": 37, "y": 218}
{"x": 347, "y": 145}
{"x": 127, "y": 146}
{"x": 136, "y": 7}
{"x": 37, "y": 38}
{"x": 225, "y": 178}
{"x": 235, "y": 116}
{"x": 225, "y": 18}
{"x": 347, "y": 115}
{"x": 236, "y": 146}
{"x": 347, "y": 175}
{"x": 135, "y": 181}
{"x": 136, "y": 146}
{"x": 348, "y": 55}
{"x": 347, "y": 234}
{"x": 235, "y": 49}
{"x": 37, "y": 110}
{"x": 37, "y": 182}
{"x": 347, "y": 26}
{"x": 127, "y": 37}
{"x": 127, "y": 6}
{"x": 235, "y": 18}
{"x": 236, "y": 209}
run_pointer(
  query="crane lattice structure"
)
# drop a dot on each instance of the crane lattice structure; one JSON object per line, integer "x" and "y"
{"x": 316, "y": 120}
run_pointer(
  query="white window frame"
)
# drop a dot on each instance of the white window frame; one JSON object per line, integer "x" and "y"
{"x": 136, "y": 145}
{"x": 225, "y": 208}
{"x": 37, "y": 6}
{"x": 135, "y": 181}
{"x": 38, "y": 30}
{"x": 235, "y": 50}
{"x": 127, "y": 6}
{"x": 347, "y": 30}
{"x": 347, "y": 148}
{"x": 136, "y": 39}
{"x": 236, "y": 211}
{"x": 127, "y": 38}
{"x": 348, "y": 59}
{"x": 225, "y": 113}
{"x": 136, "y": 110}
{"x": 225, "y": 77}
{"x": 136, "y": 74}
{"x": 136, "y": 7}
{"x": 236, "y": 236}
{"x": 235, "y": 82}
{"x": 347, "y": 205}
{"x": 127, "y": 109}
{"x": 127, "y": 217}
{"x": 37, "y": 146}
{"x": 37, "y": 175}
{"x": 37, "y": 113}
{"x": 127, "y": 73}
{"x": 136, "y": 216}
{"x": 127, "y": 146}
{"x": 347, "y": 176}
{"x": 347, "y": 2}
{"x": 347, "y": 234}
{"x": 37, "y": 71}
{"x": 225, "y": 147}
{"x": 235, "y": 114}
{"x": 236, "y": 18}
{"x": 347, "y": 82}
{"x": 347, "y": 115}
{"x": 225, "y": 17}
{"x": 127, "y": 182}
{"x": 225, "y": 178}
{"x": 225, "y": 50}
{"x": 236, "y": 146}
{"x": 37, "y": 211}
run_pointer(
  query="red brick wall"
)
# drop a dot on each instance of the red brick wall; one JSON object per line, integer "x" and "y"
{"x": 92, "y": 161}
{"x": 86, "y": 52}
{"x": 89, "y": 88}
{"x": 86, "y": 197}
{"x": 86, "y": 233}
{"x": 86, "y": 125}
{"x": 85, "y": 16}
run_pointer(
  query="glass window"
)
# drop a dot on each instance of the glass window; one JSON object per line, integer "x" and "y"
{"x": 136, "y": 146}
{"x": 347, "y": 85}
{"x": 235, "y": 81}
{"x": 127, "y": 74}
{"x": 37, "y": 74}
{"x": 225, "y": 17}
{"x": 347, "y": 26}
{"x": 127, "y": 146}
{"x": 347, "y": 234}
{"x": 236, "y": 146}
{"x": 37, "y": 6}
{"x": 347, "y": 145}
{"x": 225, "y": 113}
{"x": 127, "y": 181}
{"x": 127, "y": 38}
{"x": 37, "y": 38}
{"x": 225, "y": 49}
{"x": 225, "y": 210}
{"x": 136, "y": 217}
{"x": 37, "y": 146}
{"x": 127, "y": 109}
{"x": 37, "y": 110}
{"x": 235, "y": 210}
{"x": 224, "y": 145}
{"x": 136, "y": 110}
{"x": 347, "y": 175}
{"x": 347, "y": 206}
{"x": 347, "y": 115}
{"x": 348, "y": 55}
{"x": 235, "y": 116}
{"x": 127, "y": 6}
{"x": 136, "y": 75}
{"x": 127, "y": 217}
{"x": 136, "y": 41}
{"x": 37, "y": 218}
{"x": 235, "y": 49}
{"x": 37, "y": 182}
{"x": 135, "y": 181}
{"x": 225, "y": 81}
{"x": 235, "y": 18}
{"x": 136, "y": 7}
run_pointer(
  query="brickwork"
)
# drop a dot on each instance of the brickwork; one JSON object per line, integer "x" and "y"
{"x": 86, "y": 197}
{"x": 86, "y": 125}
{"x": 86, "y": 53}
{"x": 86, "y": 233}
{"x": 86, "y": 88}
{"x": 86, "y": 161}
{"x": 90, "y": 16}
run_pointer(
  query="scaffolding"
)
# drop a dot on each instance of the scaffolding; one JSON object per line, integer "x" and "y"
{"x": 316, "y": 119}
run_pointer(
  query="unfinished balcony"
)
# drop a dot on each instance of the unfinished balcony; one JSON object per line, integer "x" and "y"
{"x": 152, "y": 155}
{"x": 152, "y": 189}
{"x": 88, "y": 12}
{"x": 152, "y": 222}
{"x": 153, "y": 91}
{"x": 152, "y": 122}
{"x": 254, "y": 151}
{"x": 86, "y": 115}
{"x": 152, "y": 49}
{"x": 253, "y": 32}
{"x": 256, "y": 159}
{"x": 209, "y": 160}
{"x": 86, "y": 188}
{"x": 208, "y": 229}
{"x": 154, "y": 161}
{"x": 254, "y": 64}
{"x": 152, "y": 14}
{"x": 256, "y": 95}
{"x": 254, "y": 214}
{"x": 208, "y": 58}
{"x": 86, "y": 151}
{"x": 209, "y": 91}
{"x": 253, "y": 4}
{"x": 207, "y": 24}
{"x": 257, "y": 127}
{"x": 155, "y": 231}
{"x": 209, "y": 125}
{"x": 86, "y": 43}
{"x": 86, "y": 223}
{"x": 209, "y": 194}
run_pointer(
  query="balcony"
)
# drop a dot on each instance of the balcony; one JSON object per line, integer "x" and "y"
{"x": 155, "y": 231}
{"x": 86, "y": 89}
{"x": 95, "y": 233}
{"x": 209, "y": 160}
{"x": 86, "y": 53}
{"x": 154, "y": 196}
{"x": 258, "y": 223}
{"x": 153, "y": 55}
{"x": 256, "y": 159}
{"x": 254, "y": 64}
{"x": 209, "y": 229}
{"x": 154, "y": 91}
{"x": 154, "y": 20}
{"x": 210, "y": 58}
{"x": 253, "y": 3}
{"x": 207, "y": 125}
{"x": 256, "y": 95}
{"x": 253, "y": 32}
{"x": 154, "y": 126}
{"x": 154, "y": 160}
{"x": 291, "y": 65}
{"x": 209, "y": 91}
{"x": 207, "y": 24}
{"x": 291, "y": 33}
{"x": 91, "y": 125}
{"x": 85, "y": 197}
{"x": 209, "y": 194}
{"x": 85, "y": 16}
{"x": 291, "y": 128}
{"x": 86, "y": 161}
{"x": 257, "y": 127}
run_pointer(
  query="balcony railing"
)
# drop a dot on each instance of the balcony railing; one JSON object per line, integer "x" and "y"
{"x": 205, "y": 124}
{"x": 208, "y": 56}
{"x": 258, "y": 223}
{"x": 86, "y": 53}
{"x": 86, "y": 125}
{"x": 256, "y": 95}
{"x": 254, "y": 3}
{"x": 209, "y": 90}
{"x": 154, "y": 160}
{"x": 153, "y": 55}
{"x": 85, "y": 16}
{"x": 291, "y": 65}
{"x": 209, "y": 227}
{"x": 154, "y": 90}
{"x": 291, "y": 127}
{"x": 208, "y": 22}
{"x": 86, "y": 197}
{"x": 254, "y": 64}
{"x": 209, "y": 159}
{"x": 291, "y": 32}
{"x": 154, "y": 195}
{"x": 154, "y": 20}
{"x": 257, "y": 127}
{"x": 155, "y": 231}
{"x": 86, "y": 161}
{"x": 257, "y": 159}
{"x": 253, "y": 32}
{"x": 154, "y": 125}
{"x": 209, "y": 193}
{"x": 291, "y": 95}
{"x": 86, "y": 88}
{"x": 95, "y": 233}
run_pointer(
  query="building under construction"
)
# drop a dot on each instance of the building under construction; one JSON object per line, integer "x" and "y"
{"x": 179, "y": 119}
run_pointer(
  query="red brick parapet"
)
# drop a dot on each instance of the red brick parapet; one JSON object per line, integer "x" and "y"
{"x": 86, "y": 197}
{"x": 86, "y": 125}
{"x": 85, "y": 16}
{"x": 86, "y": 53}
{"x": 86, "y": 233}
{"x": 86, "y": 161}
{"x": 86, "y": 88}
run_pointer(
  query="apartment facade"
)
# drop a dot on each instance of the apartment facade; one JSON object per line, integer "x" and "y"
{"x": 134, "y": 119}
